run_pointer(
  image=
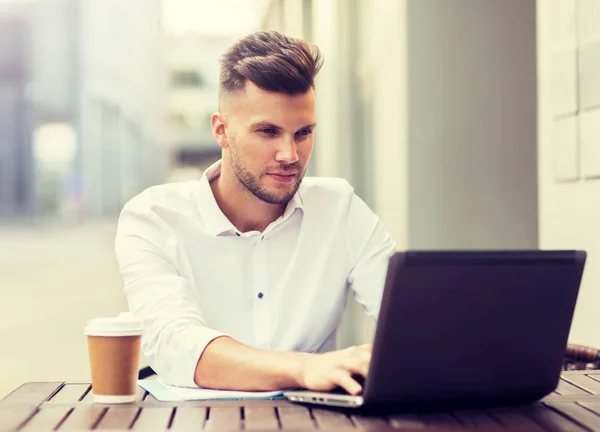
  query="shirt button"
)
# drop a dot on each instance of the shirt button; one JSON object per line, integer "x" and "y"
{"x": 260, "y": 295}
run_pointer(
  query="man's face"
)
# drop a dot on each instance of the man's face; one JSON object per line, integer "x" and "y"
{"x": 269, "y": 140}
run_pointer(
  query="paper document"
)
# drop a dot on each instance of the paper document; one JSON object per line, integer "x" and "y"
{"x": 168, "y": 393}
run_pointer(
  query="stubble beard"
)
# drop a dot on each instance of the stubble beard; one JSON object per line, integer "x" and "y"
{"x": 251, "y": 182}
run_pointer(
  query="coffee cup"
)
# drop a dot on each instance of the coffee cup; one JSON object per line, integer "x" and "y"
{"x": 114, "y": 352}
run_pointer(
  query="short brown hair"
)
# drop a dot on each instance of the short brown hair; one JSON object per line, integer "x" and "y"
{"x": 272, "y": 61}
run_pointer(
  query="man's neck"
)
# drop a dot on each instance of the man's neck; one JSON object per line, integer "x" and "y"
{"x": 245, "y": 211}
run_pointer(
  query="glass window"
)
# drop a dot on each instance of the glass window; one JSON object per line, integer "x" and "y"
{"x": 187, "y": 79}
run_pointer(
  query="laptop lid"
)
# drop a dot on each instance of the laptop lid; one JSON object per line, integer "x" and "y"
{"x": 473, "y": 327}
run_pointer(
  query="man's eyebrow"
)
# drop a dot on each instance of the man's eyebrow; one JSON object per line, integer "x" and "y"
{"x": 266, "y": 124}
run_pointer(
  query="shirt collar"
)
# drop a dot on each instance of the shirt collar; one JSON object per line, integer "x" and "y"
{"x": 215, "y": 221}
{"x": 292, "y": 205}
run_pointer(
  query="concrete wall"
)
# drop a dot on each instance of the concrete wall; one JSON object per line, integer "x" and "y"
{"x": 472, "y": 124}
{"x": 429, "y": 108}
{"x": 569, "y": 186}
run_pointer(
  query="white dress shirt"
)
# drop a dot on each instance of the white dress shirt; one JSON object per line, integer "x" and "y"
{"x": 191, "y": 276}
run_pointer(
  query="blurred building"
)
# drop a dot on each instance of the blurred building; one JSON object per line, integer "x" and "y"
{"x": 193, "y": 80}
{"x": 87, "y": 84}
{"x": 16, "y": 170}
{"x": 122, "y": 101}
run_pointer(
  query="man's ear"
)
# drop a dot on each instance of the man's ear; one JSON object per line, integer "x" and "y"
{"x": 217, "y": 121}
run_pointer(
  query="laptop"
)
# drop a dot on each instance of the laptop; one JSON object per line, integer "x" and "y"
{"x": 468, "y": 329}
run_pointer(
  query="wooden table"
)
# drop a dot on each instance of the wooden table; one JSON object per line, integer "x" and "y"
{"x": 574, "y": 406}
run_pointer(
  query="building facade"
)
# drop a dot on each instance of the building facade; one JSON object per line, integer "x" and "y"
{"x": 89, "y": 99}
{"x": 16, "y": 170}
{"x": 193, "y": 81}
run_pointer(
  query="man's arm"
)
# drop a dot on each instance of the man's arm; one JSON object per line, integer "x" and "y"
{"x": 228, "y": 364}
{"x": 179, "y": 345}
{"x": 175, "y": 332}
{"x": 370, "y": 247}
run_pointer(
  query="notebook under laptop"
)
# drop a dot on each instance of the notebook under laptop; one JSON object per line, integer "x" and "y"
{"x": 468, "y": 328}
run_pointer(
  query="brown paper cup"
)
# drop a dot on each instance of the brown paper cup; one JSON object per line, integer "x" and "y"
{"x": 114, "y": 353}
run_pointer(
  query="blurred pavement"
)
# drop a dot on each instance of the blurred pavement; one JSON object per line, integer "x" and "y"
{"x": 53, "y": 279}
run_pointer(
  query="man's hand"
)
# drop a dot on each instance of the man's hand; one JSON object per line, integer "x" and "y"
{"x": 324, "y": 372}
{"x": 227, "y": 364}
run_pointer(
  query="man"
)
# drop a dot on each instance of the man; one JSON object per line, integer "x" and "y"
{"x": 241, "y": 278}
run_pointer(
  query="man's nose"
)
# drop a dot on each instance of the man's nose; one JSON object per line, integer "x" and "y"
{"x": 287, "y": 151}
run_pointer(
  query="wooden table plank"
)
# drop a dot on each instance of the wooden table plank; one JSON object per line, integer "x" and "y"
{"x": 83, "y": 417}
{"x": 153, "y": 418}
{"x": 260, "y": 418}
{"x": 151, "y": 399}
{"x": 477, "y": 418}
{"x": 224, "y": 418}
{"x": 327, "y": 419}
{"x": 369, "y": 422}
{"x": 440, "y": 420}
{"x": 551, "y": 420}
{"x": 577, "y": 413}
{"x": 406, "y": 421}
{"x": 13, "y": 417}
{"x": 188, "y": 419}
{"x": 31, "y": 394}
{"x": 586, "y": 382}
{"x": 565, "y": 388}
{"x": 119, "y": 417}
{"x": 70, "y": 393}
{"x": 513, "y": 418}
{"x": 593, "y": 405}
{"x": 295, "y": 417}
{"x": 140, "y": 395}
{"x": 89, "y": 397}
{"x": 47, "y": 418}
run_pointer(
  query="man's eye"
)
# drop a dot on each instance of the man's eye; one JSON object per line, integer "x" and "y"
{"x": 268, "y": 131}
{"x": 305, "y": 132}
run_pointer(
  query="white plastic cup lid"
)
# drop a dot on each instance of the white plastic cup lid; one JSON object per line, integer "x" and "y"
{"x": 124, "y": 324}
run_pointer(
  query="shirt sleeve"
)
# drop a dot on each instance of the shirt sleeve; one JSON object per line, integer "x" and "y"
{"x": 370, "y": 248}
{"x": 175, "y": 332}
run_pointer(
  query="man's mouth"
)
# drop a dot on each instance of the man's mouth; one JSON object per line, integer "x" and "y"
{"x": 283, "y": 177}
